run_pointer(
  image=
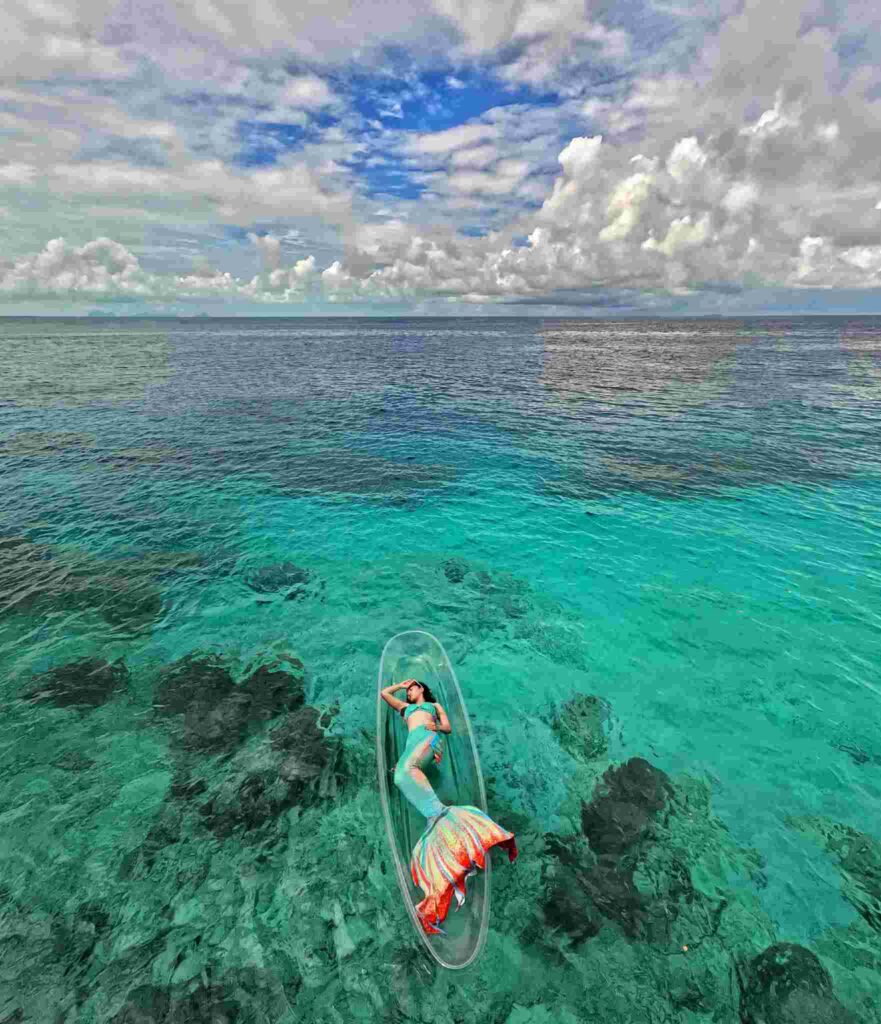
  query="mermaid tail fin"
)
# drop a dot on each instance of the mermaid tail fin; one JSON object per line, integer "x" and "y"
{"x": 450, "y": 850}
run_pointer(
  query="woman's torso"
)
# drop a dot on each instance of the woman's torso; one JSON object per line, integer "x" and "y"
{"x": 419, "y": 714}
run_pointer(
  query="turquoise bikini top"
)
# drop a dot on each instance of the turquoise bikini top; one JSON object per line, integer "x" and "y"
{"x": 410, "y": 708}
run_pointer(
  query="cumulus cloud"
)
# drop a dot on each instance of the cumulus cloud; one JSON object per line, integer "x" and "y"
{"x": 696, "y": 214}
{"x": 100, "y": 267}
{"x": 750, "y": 159}
{"x": 734, "y": 177}
{"x": 105, "y": 270}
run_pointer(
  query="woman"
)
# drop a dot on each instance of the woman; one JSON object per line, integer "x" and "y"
{"x": 455, "y": 843}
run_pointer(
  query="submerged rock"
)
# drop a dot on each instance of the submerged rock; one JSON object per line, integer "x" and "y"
{"x": 73, "y": 761}
{"x": 130, "y": 606}
{"x": 271, "y": 579}
{"x": 455, "y": 569}
{"x": 74, "y": 937}
{"x": 613, "y": 826}
{"x": 299, "y": 766}
{"x": 27, "y": 574}
{"x": 87, "y": 683}
{"x": 596, "y": 879}
{"x": 183, "y": 788}
{"x": 39, "y": 579}
{"x": 309, "y": 757}
{"x": 148, "y": 1004}
{"x": 274, "y": 691}
{"x": 566, "y": 907}
{"x": 626, "y": 800}
{"x": 145, "y": 1004}
{"x": 212, "y": 727}
{"x": 191, "y": 679}
{"x": 787, "y": 984}
{"x": 581, "y": 726}
{"x": 208, "y": 1003}
{"x": 219, "y": 714}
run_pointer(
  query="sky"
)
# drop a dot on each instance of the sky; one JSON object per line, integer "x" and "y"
{"x": 440, "y": 157}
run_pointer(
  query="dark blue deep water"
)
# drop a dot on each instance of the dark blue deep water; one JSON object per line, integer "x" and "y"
{"x": 652, "y": 551}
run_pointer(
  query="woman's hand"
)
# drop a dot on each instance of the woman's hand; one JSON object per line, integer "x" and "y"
{"x": 431, "y": 726}
{"x": 394, "y": 687}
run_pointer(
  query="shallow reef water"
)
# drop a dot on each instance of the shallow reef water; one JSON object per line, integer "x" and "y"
{"x": 650, "y": 549}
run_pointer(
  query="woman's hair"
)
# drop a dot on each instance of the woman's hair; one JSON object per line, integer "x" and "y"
{"x": 427, "y": 696}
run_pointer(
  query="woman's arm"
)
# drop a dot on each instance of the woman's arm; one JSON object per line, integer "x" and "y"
{"x": 444, "y": 721}
{"x": 387, "y": 692}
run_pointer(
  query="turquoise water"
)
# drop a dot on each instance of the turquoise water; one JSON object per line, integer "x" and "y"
{"x": 680, "y": 518}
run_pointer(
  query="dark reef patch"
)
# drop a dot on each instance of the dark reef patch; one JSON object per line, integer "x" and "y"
{"x": 683, "y": 474}
{"x": 596, "y": 879}
{"x": 294, "y": 764}
{"x": 219, "y": 714}
{"x": 194, "y": 677}
{"x": 322, "y": 472}
{"x": 787, "y": 984}
{"x": 581, "y": 726}
{"x": 74, "y": 761}
{"x": 286, "y": 579}
{"x": 339, "y": 471}
{"x": 40, "y": 579}
{"x": 625, "y": 803}
{"x": 75, "y": 936}
{"x": 86, "y": 684}
{"x": 297, "y": 766}
{"x": 148, "y": 1004}
{"x": 455, "y": 569}
{"x": 269, "y": 579}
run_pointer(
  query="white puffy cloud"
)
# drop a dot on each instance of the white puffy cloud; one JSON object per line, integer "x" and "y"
{"x": 307, "y": 91}
{"x": 105, "y": 270}
{"x": 100, "y": 267}
{"x": 681, "y": 235}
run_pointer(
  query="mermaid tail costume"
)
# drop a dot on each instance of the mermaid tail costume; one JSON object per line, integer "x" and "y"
{"x": 457, "y": 839}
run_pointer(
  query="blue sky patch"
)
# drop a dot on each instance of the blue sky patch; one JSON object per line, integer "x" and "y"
{"x": 262, "y": 142}
{"x": 436, "y": 100}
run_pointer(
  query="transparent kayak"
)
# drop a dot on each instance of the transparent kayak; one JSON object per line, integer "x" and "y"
{"x": 456, "y": 780}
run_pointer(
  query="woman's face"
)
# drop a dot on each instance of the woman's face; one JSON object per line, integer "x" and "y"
{"x": 414, "y": 693}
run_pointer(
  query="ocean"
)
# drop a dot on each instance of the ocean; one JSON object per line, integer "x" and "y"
{"x": 210, "y": 527}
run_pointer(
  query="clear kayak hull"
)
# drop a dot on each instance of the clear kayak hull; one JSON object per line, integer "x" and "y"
{"x": 456, "y": 780}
